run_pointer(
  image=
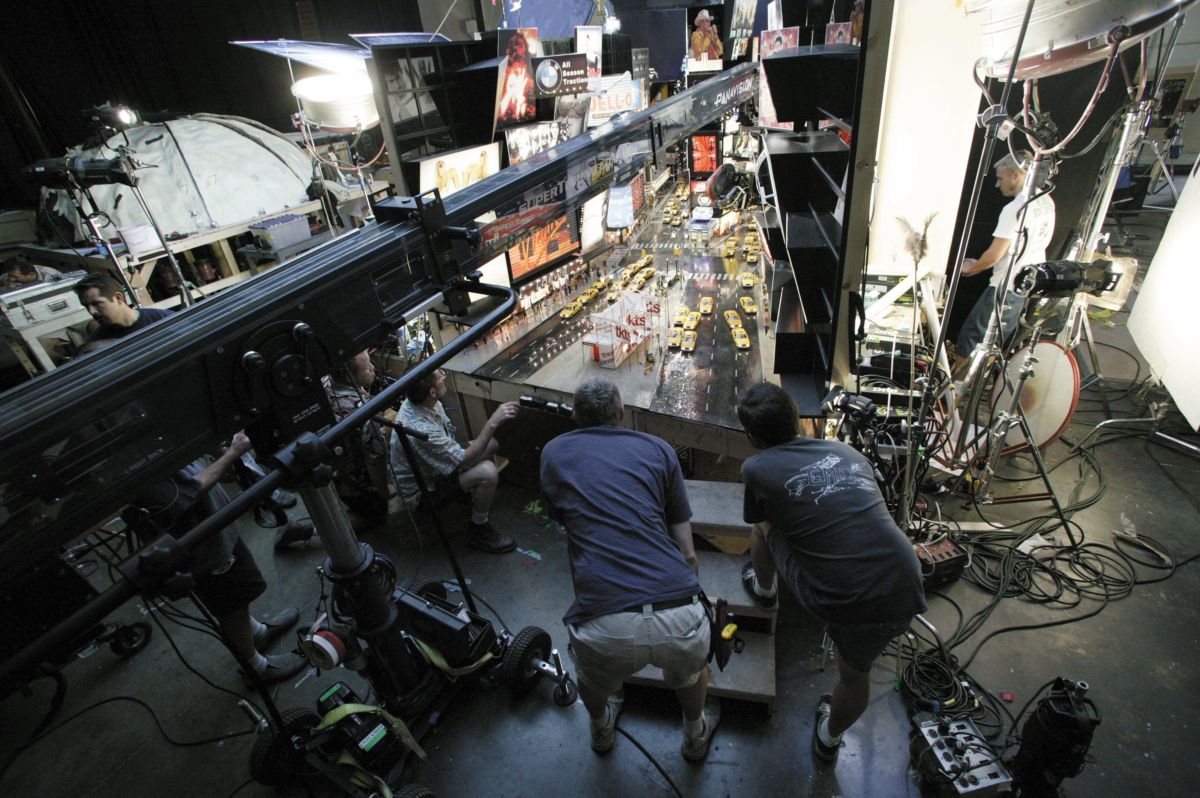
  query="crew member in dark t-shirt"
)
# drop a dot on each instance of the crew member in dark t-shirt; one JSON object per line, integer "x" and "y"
{"x": 102, "y": 296}
{"x": 620, "y": 495}
{"x": 227, "y": 577}
{"x": 820, "y": 521}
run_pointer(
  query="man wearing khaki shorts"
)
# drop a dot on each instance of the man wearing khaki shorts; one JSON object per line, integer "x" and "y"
{"x": 621, "y": 497}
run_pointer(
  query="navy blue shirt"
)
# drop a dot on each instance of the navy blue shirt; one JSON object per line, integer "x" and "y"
{"x": 146, "y": 317}
{"x": 617, "y": 491}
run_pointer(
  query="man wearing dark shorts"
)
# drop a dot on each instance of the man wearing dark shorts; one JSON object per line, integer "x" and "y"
{"x": 227, "y": 578}
{"x": 621, "y": 497}
{"x": 820, "y": 521}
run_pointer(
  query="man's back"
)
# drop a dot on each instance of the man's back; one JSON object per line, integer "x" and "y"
{"x": 618, "y": 491}
{"x": 850, "y": 563}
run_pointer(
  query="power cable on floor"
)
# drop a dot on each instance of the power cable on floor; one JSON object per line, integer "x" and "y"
{"x": 157, "y": 722}
{"x": 653, "y": 761}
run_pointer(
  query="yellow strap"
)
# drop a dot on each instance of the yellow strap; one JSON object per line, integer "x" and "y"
{"x": 338, "y": 713}
{"x": 361, "y": 777}
{"x": 438, "y": 661}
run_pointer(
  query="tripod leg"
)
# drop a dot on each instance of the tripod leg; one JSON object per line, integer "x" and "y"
{"x": 1041, "y": 463}
{"x": 1097, "y": 376}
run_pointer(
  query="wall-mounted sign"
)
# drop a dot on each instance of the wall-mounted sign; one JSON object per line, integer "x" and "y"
{"x": 617, "y": 94}
{"x": 555, "y": 240}
{"x": 453, "y": 171}
{"x": 554, "y": 75}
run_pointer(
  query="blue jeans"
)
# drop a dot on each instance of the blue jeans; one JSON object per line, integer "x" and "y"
{"x": 977, "y": 321}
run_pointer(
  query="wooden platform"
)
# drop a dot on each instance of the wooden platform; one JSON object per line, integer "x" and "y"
{"x": 749, "y": 676}
{"x": 717, "y": 514}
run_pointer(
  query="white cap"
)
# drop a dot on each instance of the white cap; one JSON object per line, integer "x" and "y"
{"x": 703, "y": 15}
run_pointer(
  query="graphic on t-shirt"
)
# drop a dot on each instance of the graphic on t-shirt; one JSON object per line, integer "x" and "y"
{"x": 827, "y": 476}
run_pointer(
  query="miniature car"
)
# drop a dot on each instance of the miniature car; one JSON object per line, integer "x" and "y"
{"x": 706, "y": 305}
{"x": 692, "y": 321}
{"x": 752, "y": 256}
{"x": 646, "y": 273}
{"x": 732, "y": 318}
{"x": 681, "y": 314}
{"x": 740, "y": 339}
{"x": 573, "y": 307}
{"x": 729, "y": 251}
{"x": 748, "y": 279}
{"x": 674, "y": 338}
{"x": 614, "y": 293}
{"x": 604, "y": 282}
{"x": 689, "y": 341}
{"x": 748, "y": 306}
{"x": 588, "y": 295}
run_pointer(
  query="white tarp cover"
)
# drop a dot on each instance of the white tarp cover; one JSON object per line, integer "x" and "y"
{"x": 205, "y": 171}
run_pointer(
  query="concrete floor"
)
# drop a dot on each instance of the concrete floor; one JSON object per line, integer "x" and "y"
{"x": 1138, "y": 654}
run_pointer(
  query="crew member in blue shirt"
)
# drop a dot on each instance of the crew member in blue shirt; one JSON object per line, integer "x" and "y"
{"x": 621, "y": 497}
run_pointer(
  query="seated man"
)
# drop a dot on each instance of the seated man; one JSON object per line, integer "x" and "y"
{"x": 446, "y": 466}
{"x": 621, "y": 497}
{"x": 362, "y": 476}
{"x": 227, "y": 577}
{"x": 820, "y": 519}
{"x": 102, "y": 296}
{"x": 19, "y": 272}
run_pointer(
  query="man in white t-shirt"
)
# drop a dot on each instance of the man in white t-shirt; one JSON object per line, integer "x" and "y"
{"x": 1030, "y": 240}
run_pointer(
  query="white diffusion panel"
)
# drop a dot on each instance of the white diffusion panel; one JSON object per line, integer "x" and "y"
{"x": 1163, "y": 319}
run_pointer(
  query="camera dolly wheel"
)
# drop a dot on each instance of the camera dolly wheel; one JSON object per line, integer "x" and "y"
{"x": 128, "y": 639}
{"x": 528, "y": 658}
{"x": 273, "y": 761}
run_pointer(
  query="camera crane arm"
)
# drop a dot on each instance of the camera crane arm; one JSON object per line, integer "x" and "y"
{"x": 80, "y": 440}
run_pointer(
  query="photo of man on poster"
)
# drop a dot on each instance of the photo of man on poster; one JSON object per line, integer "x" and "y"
{"x": 706, "y": 39}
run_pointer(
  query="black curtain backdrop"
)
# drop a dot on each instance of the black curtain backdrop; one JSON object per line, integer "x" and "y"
{"x": 1065, "y": 96}
{"x": 67, "y": 55}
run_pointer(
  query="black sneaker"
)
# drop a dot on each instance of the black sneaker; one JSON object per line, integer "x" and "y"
{"x": 771, "y": 603}
{"x": 825, "y": 753}
{"x": 279, "y": 667}
{"x": 485, "y": 538}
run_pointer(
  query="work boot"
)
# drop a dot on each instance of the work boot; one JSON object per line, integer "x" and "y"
{"x": 298, "y": 531}
{"x": 485, "y": 538}
{"x": 273, "y": 625}
{"x": 279, "y": 667}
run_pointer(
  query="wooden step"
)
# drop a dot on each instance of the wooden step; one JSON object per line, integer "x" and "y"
{"x": 721, "y": 577}
{"x": 717, "y": 514}
{"x": 749, "y": 676}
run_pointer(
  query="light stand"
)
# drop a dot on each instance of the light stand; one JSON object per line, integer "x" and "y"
{"x": 185, "y": 295}
{"x": 998, "y": 434}
{"x": 78, "y": 191}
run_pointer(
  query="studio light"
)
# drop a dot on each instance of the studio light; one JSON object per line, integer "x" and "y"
{"x": 79, "y": 170}
{"x": 1063, "y": 278}
{"x": 339, "y": 102}
{"x": 112, "y": 117}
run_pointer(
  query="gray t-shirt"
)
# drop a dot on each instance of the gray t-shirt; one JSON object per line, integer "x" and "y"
{"x": 845, "y": 558}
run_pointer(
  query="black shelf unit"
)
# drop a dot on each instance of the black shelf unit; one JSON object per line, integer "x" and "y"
{"x": 808, "y": 174}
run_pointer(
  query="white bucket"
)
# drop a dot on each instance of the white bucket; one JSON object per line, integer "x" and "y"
{"x": 140, "y": 239}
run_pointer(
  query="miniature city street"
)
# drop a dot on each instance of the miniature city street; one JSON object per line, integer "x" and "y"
{"x": 546, "y": 350}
